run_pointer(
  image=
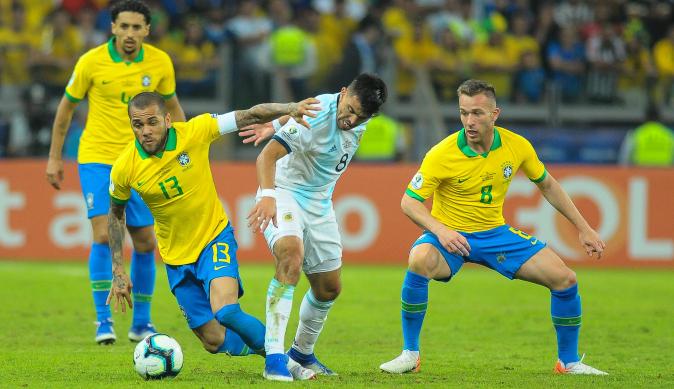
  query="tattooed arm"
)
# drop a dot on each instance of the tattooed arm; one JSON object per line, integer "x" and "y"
{"x": 263, "y": 113}
{"x": 121, "y": 283}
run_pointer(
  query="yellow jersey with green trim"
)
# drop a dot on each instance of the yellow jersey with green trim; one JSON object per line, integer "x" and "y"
{"x": 177, "y": 186}
{"x": 468, "y": 189}
{"x": 110, "y": 82}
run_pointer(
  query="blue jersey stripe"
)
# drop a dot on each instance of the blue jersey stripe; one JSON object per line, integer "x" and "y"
{"x": 283, "y": 143}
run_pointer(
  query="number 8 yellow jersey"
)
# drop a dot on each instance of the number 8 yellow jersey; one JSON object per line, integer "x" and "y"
{"x": 468, "y": 189}
{"x": 177, "y": 186}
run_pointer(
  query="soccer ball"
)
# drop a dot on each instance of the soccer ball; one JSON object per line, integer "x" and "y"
{"x": 158, "y": 356}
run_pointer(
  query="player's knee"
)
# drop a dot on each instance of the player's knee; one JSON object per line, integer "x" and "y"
{"x": 212, "y": 342}
{"x": 101, "y": 237}
{"x": 144, "y": 245}
{"x": 569, "y": 279}
{"x": 328, "y": 292}
{"x": 420, "y": 262}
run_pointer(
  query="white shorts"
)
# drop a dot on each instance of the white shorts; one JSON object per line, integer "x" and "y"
{"x": 319, "y": 233}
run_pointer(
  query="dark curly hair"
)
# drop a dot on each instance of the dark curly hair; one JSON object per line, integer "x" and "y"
{"x": 130, "y": 6}
{"x": 371, "y": 92}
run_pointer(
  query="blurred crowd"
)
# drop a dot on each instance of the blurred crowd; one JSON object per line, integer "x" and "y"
{"x": 609, "y": 51}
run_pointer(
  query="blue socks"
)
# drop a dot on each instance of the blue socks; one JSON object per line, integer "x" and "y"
{"x": 248, "y": 327}
{"x": 100, "y": 275}
{"x": 414, "y": 303}
{"x": 566, "y": 313}
{"x": 234, "y": 345}
{"x": 142, "y": 278}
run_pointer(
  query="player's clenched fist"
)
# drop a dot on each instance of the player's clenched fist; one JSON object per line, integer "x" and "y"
{"x": 262, "y": 213}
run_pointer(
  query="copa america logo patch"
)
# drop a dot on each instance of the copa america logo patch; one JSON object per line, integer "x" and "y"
{"x": 90, "y": 200}
{"x": 146, "y": 80}
{"x": 183, "y": 159}
{"x": 417, "y": 181}
{"x": 507, "y": 169}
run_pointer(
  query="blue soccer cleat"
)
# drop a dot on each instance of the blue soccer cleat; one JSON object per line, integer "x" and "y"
{"x": 105, "y": 333}
{"x": 309, "y": 361}
{"x": 276, "y": 368}
{"x": 138, "y": 333}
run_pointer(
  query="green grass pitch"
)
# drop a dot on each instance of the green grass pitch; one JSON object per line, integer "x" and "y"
{"x": 480, "y": 331}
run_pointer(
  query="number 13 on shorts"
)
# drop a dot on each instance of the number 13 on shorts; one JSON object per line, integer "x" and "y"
{"x": 220, "y": 255}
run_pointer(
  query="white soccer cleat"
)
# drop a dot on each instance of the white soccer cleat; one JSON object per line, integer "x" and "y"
{"x": 300, "y": 373}
{"x": 577, "y": 368}
{"x": 406, "y": 362}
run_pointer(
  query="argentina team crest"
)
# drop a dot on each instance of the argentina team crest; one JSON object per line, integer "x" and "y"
{"x": 146, "y": 80}
{"x": 507, "y": 170}
{"x": 183, "y": 159}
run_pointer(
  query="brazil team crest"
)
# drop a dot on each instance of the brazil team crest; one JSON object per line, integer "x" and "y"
{"x": 507, "y": 170}
{"x": 146, "y": 80}
{"x": 183, "y": 159}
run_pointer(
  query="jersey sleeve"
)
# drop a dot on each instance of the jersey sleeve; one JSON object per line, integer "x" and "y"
{"x": 293, "y": 136}
{"x": 120, "y": 189}
{"x": 532, "y": 167}
{"x": 167, "y": 84}
{"x": 206, "y": 127}
{"x": 426, "y": 180}
{"x": 79, "y": 82}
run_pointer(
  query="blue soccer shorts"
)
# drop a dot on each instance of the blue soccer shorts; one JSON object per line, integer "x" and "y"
{"x": 504, "y": 249}
{"x": 95, "y": 181}
{"x": 190, "y": 283}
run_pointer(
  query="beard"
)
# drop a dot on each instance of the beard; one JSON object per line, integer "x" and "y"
{"x": 155, "y": 147}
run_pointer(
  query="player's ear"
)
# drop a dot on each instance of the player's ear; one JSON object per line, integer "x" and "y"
{"x": 167, "y": 119}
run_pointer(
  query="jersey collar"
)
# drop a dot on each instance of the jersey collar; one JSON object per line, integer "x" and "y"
{"x": 117, "y": 58}
{"x": 468, "y": 152}
{"x": 170, "y": 145}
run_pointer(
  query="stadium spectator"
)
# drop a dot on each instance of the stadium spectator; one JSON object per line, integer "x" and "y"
{"x": 360, "y": 54}
{"x": 663, "y": 55}
{"x": 416, "y": 52}
{"x": 572, "y": 13}
{"x": 637, "y": 79}
{"x": 86, "y": 26}
{"x": 250, "y": 29}
{"x": 60, "y": 46}
{"x": 529, "y": 81}
{"x": 196, "y": 61}
{"x": 494, "y": 61}
{"x": 606, "y": 57}
{"x": 567, "y": 61}
{"x": 454, "y": 64}
{"x": 467, "y": 175}
{"x": 649, "y": 145}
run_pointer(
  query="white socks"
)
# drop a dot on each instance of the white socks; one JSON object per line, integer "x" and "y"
{"x": 279, "y": 305}
{"x": 313, "y": 314}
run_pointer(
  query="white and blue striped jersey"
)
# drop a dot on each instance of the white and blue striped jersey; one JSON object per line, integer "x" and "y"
{"x": 317, "y": 157}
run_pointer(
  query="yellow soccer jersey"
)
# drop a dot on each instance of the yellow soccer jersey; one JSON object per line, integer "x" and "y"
{"x": 177, "y": 186}
{"x": 468, "y": 189}
{"x": 111, "y": 83}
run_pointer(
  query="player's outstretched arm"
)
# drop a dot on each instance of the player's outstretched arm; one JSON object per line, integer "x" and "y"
{"x": 258, "y": 133}
{"x": 421, "y": 216}
{"x": 263, "y": 113}
{"x": 558, "y": 198}
{"x": 121, "y": 283}
{"x": 264, "y": 210}
{"x": 64, "y": 114}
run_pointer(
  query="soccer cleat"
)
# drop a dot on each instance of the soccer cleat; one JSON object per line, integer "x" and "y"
{"x": 406, "y": 362}
{"x": 309, "y": 361}
{"x": 138, "y": 333}
{"x": 276, "y": 368}
{"x": 577, "y": 368}
{"x": 105, "y": 333}
{"x": 300, "y": 373}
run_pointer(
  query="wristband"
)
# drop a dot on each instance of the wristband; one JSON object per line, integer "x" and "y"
{"x": 267, "y": 193}
{"x": 276, "y": 125}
